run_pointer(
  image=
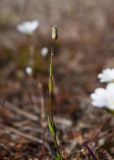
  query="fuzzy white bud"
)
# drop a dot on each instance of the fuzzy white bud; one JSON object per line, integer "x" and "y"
{"x": 54, "y": 33}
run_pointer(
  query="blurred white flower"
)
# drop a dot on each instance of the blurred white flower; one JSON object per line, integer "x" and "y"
{"x": 28, "y": 27}
{"x": 99, "y": 97}
{"x": 107, "y": 75}
{"x": 28, "y": 70}
{"x": 110, "y": 96}
{"x": 104, "y": 97}
{"x": 44, "y": 51}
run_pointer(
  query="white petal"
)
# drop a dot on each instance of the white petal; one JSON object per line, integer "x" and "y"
{"x": 110, "y": 86}
{"x": 28, "y": 70}
{"x": 44, "y": 51}
{"x": 28, "y": 27}
{"x": 107, "y": 75}
{"x": 99, "y": 97}
{"x": 110, "y": 96}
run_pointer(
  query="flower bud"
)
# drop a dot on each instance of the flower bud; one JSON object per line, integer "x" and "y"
{"x": 54, "y": 33}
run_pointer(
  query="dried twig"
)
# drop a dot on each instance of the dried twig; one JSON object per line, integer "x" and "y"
{"x": 21, "y": 112}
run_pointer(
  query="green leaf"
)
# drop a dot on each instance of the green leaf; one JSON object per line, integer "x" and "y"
{"x": 51, "y": 69}
{"x": 50, "y": 85}
{"x": 58, "y": 157}
{"x": 51, "y": 127}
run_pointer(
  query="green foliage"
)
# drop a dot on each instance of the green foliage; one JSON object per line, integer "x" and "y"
{"x": 51, "y": 127}
{"x": 50, "y": 84}
{"x": 51, "y": 68}
{"x": 58, "y": 157}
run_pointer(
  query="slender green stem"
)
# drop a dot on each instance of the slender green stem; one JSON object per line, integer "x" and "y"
{"x": 51, "y": 123}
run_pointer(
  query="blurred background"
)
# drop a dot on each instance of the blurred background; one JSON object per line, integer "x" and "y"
{"x": 85, "y": 47}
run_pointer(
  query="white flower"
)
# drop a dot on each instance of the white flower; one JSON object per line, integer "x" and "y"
{"x": 110, "y": 96}
{"x": 107, "y": 75}
{"x": 99, "y": 97}
{"x": 44, "y": 51}
{"x": 28, "y": 27}
{"x": 104, "y": 97}
{"x": 28, "y": 70}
